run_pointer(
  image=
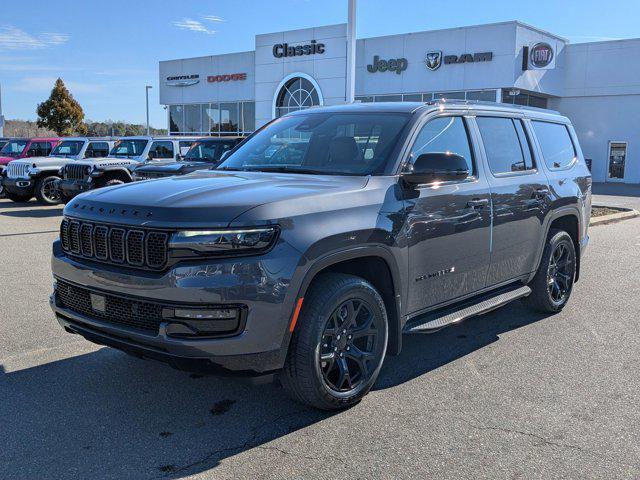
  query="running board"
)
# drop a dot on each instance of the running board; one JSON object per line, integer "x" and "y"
{"x": 484, "y": 304}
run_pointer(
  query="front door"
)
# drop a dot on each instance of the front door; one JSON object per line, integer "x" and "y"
{"x": 519, "y": 195}
{"x": 448, "y": 225}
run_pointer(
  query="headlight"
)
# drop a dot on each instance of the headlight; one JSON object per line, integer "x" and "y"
{"x": 227, "y": 241}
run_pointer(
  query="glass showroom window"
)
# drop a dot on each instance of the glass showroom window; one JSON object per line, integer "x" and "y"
{"x": 297, "y": 94}
{"x": 215, "y": 119}
{"x": 484, "y": 95}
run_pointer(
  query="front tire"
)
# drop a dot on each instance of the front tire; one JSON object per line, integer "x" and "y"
{"x": 46, "y": 191}
{"x": 552, "y": 285}
{"x": 339, "y": 343}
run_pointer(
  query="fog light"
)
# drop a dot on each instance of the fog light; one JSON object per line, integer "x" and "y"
{"x": 201, "y": 322}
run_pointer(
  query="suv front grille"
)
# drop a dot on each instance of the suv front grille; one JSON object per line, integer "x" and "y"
{"x": 17, "y": 169}
{"x": 115, "y": 310}
{"x": 75, "y": 172}
{"x": 117, "y": 245}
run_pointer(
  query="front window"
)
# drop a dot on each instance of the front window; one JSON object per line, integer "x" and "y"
{"x": 322, "y": 143}
{"x": 128, "y": 148}
{"x": 202, "y": 152}
{"x": 14, "y": 148}
{"x": 68, "y": 148}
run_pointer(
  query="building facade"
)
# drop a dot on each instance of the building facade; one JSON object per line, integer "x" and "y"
{"x": 594, "y": 84}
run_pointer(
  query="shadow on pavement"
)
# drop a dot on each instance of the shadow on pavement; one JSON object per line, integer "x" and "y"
{"x": 35, "y": 213}
{"x": 107, "y": 414}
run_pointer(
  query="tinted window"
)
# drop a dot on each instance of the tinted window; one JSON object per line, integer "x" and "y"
{"x": 14, "y": 148}
{"x": 202, "y": 151}
{"x": 161, "y": 150}
{"x": 524, "y": 144}
{"x": 557, "y": 148}
{"x": 128, "y": 148}
{"x": 39, "y": 149}
{"x": 67, "y": 148}
{"x": 446, "y": 134}
{"x": 96, "y": 150}
{"x": 502, "y": 144}
{"x": 323, "y": 143}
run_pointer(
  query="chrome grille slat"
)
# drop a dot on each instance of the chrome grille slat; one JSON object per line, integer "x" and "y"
{"x": 17, "y": 169}
{"x": 75, "y": 172}
{"x": 119, "y": 245}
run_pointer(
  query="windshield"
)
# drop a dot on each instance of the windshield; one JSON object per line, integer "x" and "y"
{"x": 202, "y": 152}
{"x": 14, "y": 148}
{"x": 128, "y": 148}
{"x": 322, "y": 143}
{"x": 68, "y": 148}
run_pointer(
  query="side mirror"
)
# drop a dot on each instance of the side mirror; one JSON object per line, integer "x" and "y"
{"x": 437, "y": 167}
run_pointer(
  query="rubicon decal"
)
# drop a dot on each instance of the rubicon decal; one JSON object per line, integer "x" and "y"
{"x": 285, "y": 50}
{"x": 226, "y": 77}
{"x": 397, "y": 65}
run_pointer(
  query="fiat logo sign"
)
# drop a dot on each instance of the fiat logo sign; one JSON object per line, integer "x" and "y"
{"x": 541, "y": 55}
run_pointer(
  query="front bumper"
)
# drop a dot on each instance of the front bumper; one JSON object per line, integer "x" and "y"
{"x": 257, "y": 283}
{"x": 18, "y": 186}
{"x": 71, "y": 188}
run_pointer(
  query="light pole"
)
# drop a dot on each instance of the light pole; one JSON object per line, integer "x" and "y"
{"x": 146, "y": 91}
{"x": 351, "y": 53}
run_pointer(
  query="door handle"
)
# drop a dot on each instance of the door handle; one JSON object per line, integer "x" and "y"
{"x": 478, "y": 203}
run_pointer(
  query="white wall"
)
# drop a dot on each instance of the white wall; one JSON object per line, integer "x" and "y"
{"x": 327, "y": 69}
{"x": 205, "y": 91}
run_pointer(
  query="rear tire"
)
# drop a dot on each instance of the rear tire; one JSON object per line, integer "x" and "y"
{"x": 339, "y": 343}
{"x": 552, "y": 285}
{"x": 17, "y": 198}
{"x": 46, "y": 191}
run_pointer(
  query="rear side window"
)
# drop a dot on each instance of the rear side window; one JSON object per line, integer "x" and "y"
{"x": 556, "y": 144}
{"x": 162, "y": 149}
{"x": 97, "y": 150}
{"x": 505, "y": 144}
{"x": 444, "y": 134}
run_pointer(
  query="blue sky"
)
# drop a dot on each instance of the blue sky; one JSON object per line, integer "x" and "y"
{"x": 107, "y": 51}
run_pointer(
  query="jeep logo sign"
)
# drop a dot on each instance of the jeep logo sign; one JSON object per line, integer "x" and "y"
{"x": 541, "y": 55}
{"x": 397, "y": 65}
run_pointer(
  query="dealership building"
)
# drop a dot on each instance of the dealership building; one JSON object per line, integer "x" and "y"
{"x": 594, "y": 84}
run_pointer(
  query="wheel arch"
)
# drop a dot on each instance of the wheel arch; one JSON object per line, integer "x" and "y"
{"x": 567, "y": 219}
{"x": 115, "y": 174}
{"x": 375, "y": 264}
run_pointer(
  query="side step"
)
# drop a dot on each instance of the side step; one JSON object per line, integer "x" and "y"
{"x": 448, "y": 316}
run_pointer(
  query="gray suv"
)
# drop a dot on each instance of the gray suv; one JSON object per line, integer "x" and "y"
{"x": 325, "y": 236}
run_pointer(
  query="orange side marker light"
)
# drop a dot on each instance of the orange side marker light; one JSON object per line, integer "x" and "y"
{"x": 296, "y": 312}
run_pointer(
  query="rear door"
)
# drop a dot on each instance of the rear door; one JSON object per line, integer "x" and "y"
{"x": 519, "y": 194}
{"x": 448, "y": 225}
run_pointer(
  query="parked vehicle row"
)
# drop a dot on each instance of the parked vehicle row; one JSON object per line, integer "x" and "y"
{"x": 325, "y": 236}
{"x": 56, "y": 170}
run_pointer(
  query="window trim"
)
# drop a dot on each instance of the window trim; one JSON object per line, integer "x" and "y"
{"x": 473, "y": 177}
{"x": 571, "y": 164}
{"x": 517, "y": 173}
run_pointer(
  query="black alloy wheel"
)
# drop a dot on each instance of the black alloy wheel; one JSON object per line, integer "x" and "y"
{"x": 560, "y": 273}
{"x": 47, "y": 192}
{"x": 349, "y": 347}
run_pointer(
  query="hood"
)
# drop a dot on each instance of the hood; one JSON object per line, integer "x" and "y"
{"x": 206, "y": 198}
{"x": 44, "y": 162}
{"x": 107, "y": 162}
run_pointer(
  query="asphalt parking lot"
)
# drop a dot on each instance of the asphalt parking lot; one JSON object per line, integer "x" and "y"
{"x": 508, "y": 395}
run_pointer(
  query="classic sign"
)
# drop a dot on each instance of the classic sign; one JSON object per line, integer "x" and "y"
{"x": 285, "y": 50}
{"x": 397, "y": 65}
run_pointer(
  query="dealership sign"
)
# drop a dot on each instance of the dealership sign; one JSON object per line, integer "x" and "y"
{"x": 285, "y": 50}
{"x": 182, "y": 80}
{"x": 397, "y": 65}
{"x": 435, "y": 59}
{"x": 232, "y": 77}
{"x": 542, "y": 56}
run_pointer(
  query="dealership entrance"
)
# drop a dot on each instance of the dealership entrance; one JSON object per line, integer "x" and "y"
{"x": 297, "y": 92}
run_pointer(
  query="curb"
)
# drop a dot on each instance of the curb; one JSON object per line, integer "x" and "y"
{"x": 625, "y": 213}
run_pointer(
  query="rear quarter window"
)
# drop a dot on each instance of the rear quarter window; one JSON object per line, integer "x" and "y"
{"x": 555, "y": 142}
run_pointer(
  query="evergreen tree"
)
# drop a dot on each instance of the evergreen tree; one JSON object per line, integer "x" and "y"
{"x": 61, "y": 112}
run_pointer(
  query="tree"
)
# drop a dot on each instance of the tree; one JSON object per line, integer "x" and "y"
{"x": 61, "y": 112}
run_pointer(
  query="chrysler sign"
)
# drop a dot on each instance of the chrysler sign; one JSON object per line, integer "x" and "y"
{"x": 182, "y": 80}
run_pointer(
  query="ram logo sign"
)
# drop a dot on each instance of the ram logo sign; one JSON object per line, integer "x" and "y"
{"x": 434, "y": 60}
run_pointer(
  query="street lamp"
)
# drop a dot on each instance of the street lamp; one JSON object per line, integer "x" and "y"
{"x": 146, "y": 91}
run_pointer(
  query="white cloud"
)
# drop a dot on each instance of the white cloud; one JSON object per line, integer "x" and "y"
{"x": 193, "y": 25}
{"x": 13, "y": 38}
{"x": 213, "y": 18}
